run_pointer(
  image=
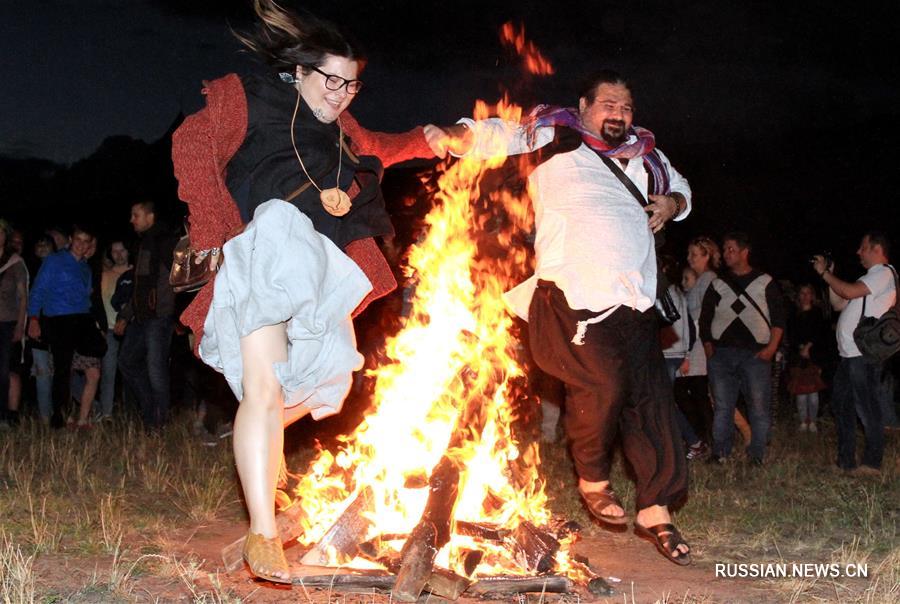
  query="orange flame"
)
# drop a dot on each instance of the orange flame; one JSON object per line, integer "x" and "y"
{"x": 534, "y": 61}
{"x": 455, "y": 352}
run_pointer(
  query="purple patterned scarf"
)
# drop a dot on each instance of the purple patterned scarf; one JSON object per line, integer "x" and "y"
{"x": 643, "y": 146}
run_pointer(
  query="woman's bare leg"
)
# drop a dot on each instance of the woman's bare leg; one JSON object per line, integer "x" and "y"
{"x": 258, "y": 431}
{"x": 91, "y": 381}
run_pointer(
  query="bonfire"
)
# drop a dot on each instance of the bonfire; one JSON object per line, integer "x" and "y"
{"x": 433, "y": 488}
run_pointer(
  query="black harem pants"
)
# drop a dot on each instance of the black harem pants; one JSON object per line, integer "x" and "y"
{"x": 616, "y": 385}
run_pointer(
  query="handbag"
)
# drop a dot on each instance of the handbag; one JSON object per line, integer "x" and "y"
{"x": 193, "y": 268}
{"x": 878, "y": 338}
{"x": 666, "y": 311}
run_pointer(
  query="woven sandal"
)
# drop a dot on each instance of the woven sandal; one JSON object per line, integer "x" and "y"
{"x": 598, "y": 501}
{"x": 261, "y": 553}
{"x": 666, "y": 538}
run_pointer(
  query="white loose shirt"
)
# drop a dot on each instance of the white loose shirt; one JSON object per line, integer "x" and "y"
{"x": 593, "y": 239}
{"x": 880, "y": 281}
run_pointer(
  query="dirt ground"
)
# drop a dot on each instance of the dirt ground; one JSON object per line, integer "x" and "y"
{"x": 631, "y": 566}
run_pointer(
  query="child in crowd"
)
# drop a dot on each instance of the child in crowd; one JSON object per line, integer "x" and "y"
{"x": 804, "y": 384}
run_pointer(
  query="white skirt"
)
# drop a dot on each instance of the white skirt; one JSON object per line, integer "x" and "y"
{"x": 281, "y": 270}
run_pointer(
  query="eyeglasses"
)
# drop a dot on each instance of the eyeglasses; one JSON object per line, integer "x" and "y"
{"x": 336, "y": 82}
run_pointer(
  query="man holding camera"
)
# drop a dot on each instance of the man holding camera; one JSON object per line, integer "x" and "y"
{"x": 856, "y": 383}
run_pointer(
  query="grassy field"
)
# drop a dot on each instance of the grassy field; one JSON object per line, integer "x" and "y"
{"x": 108, "y": 502}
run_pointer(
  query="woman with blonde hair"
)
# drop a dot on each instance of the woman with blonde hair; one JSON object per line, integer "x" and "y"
{"x": 285, "y": 184}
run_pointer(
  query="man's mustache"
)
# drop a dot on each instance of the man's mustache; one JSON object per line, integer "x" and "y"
{"x": 617, "y": 123}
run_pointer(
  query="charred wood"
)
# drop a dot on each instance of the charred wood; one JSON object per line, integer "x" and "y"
{"x": 345, "y": 535}
{"x": 471, "y": 559}
{"x": 534, "y": 548}
{"x": 433, "y": 530}
{"x": 447, "y": 584}
{"x": 504, "y": 586}
{"x": 482, "y": 530}
{"x": 377, "y": 580}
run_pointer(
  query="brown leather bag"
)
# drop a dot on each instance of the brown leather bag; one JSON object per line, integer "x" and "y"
{"x": 192, "y": 269}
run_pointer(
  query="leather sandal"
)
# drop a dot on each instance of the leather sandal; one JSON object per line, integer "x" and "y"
{"x": 597, "y": 501}
{"x": 666, "y": 538}
{"x": 261, "y": 553}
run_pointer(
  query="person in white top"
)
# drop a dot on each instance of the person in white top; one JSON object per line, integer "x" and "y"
{"x": 590, "y": 302}
{"x": 857, "y": 378}
{"x": 117, "y": 256}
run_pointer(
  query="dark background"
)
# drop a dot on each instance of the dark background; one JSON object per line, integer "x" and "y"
{"x": 782, "y": 116}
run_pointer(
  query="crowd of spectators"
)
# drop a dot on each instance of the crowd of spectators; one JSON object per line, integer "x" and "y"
{"x": 86, "y": 336}
{"x": 746, "y": 345}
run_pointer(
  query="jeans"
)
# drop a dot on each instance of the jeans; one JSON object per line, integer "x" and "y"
{"x": 885, "y": 394}
{"x": 42, "y": 369}
{"x": 855, "y": 393}
{"x": 734, "y": 371}
{"x": 108, "y": 371}
{"x": 808, "y": 407}
{"x": 144, "y": 363}
{"x": 684, "y": 426}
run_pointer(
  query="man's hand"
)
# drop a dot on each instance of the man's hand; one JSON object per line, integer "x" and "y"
{"x": 120, "y": 326}
{"x": 18, "y": 332}
{"x": 766, "y": 354}
{"x": 710, "y": 349}
{"x": 34, "y": 329}
{"x": 662, "y": 208}
{"x": 685, "y": 366}
{"x": 820, "y": 265}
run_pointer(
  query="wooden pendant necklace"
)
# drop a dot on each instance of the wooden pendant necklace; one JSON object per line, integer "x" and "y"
{"x": 335, "y": 201}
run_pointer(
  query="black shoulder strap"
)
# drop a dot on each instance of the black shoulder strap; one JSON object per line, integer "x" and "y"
{"x": 896, "y": 306}
{"x": 748, "y": 297}
{"x": 617, "y": 171}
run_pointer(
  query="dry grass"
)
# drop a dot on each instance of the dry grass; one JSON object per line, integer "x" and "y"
{"x": 114, "y": 497}
{"x": 17, "y": 585}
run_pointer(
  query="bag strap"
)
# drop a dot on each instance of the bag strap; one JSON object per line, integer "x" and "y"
{"x": 299, "y": 190}
{"x": 896, "y": 306}
{"x": 617, "y": 171}
{"x": 743, "y": 292}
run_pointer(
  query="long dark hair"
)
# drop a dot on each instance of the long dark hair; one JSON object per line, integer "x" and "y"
{"x": 284, "y": 39}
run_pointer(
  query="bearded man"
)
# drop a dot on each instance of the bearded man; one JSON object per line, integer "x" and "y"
{"x": 600, "y": 191}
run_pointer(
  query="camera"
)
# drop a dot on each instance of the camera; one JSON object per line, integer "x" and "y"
{"x": 829, "y": 260}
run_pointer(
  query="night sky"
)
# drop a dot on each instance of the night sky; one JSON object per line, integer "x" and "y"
{"x": 782, "y": 116}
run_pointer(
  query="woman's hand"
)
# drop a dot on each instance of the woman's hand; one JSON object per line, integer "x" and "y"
{"x": 456, "y": 139}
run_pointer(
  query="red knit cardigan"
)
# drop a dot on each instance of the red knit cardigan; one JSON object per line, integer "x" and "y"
{"x": 207, "y": 140}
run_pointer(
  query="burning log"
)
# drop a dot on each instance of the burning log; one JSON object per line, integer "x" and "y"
{"x": 506, "y": 586}
{"x": 442, "y": 582}
{"x": 377, "y": 580}
{"x": 471, "y": 559}
{"x": 447, "y": 584}
{"x": 288, "y": 524}
{"x": 345, "y": 535}
{"x": 433, "y": 530}
{"x": 430, "y": 535}
{"x": 535, "y": 549}
{"x": 481, "y": 530}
